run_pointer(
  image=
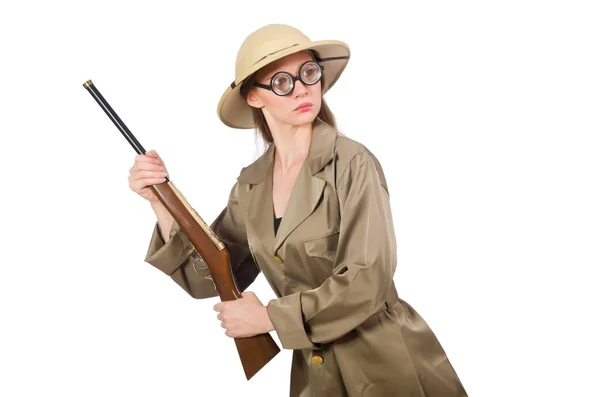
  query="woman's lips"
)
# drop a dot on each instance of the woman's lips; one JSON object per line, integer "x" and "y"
{"x": 304, "y": 107}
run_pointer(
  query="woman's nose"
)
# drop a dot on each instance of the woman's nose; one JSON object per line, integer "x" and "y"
{"x": 299, "y": 89}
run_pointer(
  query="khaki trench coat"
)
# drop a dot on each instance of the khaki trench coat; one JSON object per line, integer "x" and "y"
{"x": 331, "y": 264}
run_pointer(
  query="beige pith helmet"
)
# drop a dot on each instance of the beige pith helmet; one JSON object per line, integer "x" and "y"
{"x": 268, "y": 44}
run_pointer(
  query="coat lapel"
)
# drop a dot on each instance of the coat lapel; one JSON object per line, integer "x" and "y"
{"x": 258, "y": 201}
{"x": 305, "y": 195}
{"x": 303, "y": 199}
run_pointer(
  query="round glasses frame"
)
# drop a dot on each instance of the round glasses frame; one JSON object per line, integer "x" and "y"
{"x": 293, "y": 78}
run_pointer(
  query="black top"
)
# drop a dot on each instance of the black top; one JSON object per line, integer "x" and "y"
{"x": 277, "y": 222}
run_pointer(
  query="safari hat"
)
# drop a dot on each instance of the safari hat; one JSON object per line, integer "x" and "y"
{"x": 266, "y": 45}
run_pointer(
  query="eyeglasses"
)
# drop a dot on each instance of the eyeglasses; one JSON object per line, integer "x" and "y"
{"x": 282, "y": 83}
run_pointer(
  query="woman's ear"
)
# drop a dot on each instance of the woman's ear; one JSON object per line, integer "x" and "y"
{"x": 253, "y": 100}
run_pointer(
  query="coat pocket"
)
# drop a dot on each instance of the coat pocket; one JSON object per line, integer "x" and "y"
{"x": 322, "y": 246}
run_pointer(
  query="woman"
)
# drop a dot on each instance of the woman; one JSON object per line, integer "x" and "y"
{"x": 332, "y": 257}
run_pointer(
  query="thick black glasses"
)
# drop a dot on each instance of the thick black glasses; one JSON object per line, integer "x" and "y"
{"x": 282, "y": 83}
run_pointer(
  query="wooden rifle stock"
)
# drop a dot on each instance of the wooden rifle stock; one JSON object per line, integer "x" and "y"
{"x": 255, "y": 352}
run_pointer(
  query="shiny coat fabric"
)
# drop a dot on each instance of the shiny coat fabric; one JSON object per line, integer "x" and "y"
{"x": 331, "y": 265}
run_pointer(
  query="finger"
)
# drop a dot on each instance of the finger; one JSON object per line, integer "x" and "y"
{"x": 219, "y": 307}
{"x": 147, "y": 159}
{"x": 145, "y": 166}
{"x": 154, "y": 154}
{"x": 142, "y": 183}
{"x": 148, "y": 174}
{"x": 232, "y": 333}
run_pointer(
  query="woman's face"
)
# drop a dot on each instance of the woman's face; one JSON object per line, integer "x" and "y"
{"x": 284, "y": 109}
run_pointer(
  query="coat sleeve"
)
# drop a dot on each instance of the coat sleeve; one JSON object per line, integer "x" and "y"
{"x": 363, "y": 270}
{"x": 178, "y": 259}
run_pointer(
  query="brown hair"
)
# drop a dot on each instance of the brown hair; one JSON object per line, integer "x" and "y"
{"x": 260, "y": 123}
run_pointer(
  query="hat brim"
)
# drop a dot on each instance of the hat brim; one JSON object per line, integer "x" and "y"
{"x": 234, "y": 111}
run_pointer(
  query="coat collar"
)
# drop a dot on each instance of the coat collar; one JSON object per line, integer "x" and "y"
{"x": 319, "y": 154}
{"x": 306, "y": 192}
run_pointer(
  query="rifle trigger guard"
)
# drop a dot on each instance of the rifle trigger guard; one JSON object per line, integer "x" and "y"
{"x": 209, "y": 277}
{"x": 202, "y": 268}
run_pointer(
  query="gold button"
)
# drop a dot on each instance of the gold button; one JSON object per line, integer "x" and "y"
{"x": 278, "y": 259}
{"x": 317, "y": 360}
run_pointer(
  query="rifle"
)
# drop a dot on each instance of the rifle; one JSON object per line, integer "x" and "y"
{"x": 256, "y": 351}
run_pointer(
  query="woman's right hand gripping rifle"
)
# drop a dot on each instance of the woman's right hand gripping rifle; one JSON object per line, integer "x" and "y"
{"x": 149, "y": 169}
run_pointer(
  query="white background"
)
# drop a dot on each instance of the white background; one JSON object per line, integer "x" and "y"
{"x": 484, "y": 116}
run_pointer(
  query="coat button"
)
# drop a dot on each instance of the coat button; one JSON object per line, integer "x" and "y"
{"x": 317, "y": 360}
{"x": 278, "y": 259}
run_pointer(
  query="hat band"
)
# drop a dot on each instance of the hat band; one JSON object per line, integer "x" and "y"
{"x": 330, "y": 59}
{"x": 273, "y": 53}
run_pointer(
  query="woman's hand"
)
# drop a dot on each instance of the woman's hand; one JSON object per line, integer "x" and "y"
{"x": 147, "y": 170}
{"x": 244, "y": 317}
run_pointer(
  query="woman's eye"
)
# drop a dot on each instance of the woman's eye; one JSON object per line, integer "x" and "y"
{"x": 310, "y": 73}
{"x": 280, "y": 81}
